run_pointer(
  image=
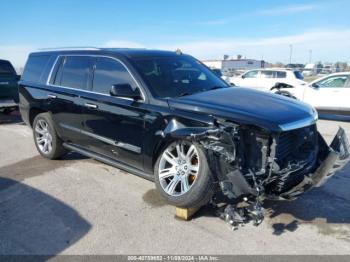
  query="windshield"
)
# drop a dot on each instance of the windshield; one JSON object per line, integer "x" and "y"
{"x": 176, "y": 76}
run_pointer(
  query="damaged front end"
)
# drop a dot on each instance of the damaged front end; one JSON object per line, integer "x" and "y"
{"x": 252, "y": 164}
{"x": 329, "y": 160}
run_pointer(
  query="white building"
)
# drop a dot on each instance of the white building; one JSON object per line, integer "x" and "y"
{"x": 229, "y": 66}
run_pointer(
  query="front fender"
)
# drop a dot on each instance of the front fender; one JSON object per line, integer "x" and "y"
{"x": 177, "y": 130}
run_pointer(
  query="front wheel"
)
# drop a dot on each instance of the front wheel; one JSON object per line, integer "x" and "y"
{"x": 182, "y": 175}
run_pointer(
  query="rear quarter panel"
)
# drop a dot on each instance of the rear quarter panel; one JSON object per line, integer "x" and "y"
{"x": 32, "y": 98}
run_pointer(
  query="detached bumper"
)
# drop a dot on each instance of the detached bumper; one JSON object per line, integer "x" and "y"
{"x": 330, "y": 160}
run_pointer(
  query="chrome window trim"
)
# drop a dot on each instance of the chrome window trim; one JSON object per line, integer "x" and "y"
{"x": 92, "y": 92}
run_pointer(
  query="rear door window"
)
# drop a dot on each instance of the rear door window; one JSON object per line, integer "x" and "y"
{"x": 267, "y": 74}
{"x": 110, "y": 72}
{"x": 35, "y": 67}
{"x": 75, "y": 72}
{"x": 57, "y": 71}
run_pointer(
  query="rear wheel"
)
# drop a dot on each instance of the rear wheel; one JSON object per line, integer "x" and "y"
{"x": 46, "y": 139}
{"x": 182, "y": 175}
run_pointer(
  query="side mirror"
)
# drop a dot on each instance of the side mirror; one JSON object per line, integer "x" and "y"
{"x": 242, "y": 76}
{"x": 125, "y": 90}
{"x": 18, "y": 77}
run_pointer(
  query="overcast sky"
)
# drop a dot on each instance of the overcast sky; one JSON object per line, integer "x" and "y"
{"x": 203, "y": 28}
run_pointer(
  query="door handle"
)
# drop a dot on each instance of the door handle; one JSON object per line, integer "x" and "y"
{"x": 51, "y": 96}
{"x": 92, "y": 106}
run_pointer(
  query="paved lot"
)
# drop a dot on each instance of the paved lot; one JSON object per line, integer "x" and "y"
{"x": 80, "y": 206}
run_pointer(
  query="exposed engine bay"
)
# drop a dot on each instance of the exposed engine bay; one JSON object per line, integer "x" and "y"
{"x": 252, "y": 164}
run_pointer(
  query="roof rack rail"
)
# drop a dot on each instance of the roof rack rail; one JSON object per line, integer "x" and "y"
{"x": 70, "y": 48}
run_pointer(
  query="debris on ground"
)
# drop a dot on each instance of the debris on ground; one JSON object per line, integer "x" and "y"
{"x": 241, "y": 213}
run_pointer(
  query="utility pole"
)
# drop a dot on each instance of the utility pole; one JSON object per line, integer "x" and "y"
{"x": 290, "y": 53}
{"x": 310, "y": 56}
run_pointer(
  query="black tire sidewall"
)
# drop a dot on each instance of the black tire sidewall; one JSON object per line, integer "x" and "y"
{"x": 202, "y": 189}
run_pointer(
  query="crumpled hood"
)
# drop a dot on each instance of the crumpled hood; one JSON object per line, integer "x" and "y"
{"x": 249, "y": 106}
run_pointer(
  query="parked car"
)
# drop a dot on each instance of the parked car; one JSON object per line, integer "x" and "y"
{"x": 328, "y": 94}
{"x": 265, "y": 79}
{"x": 166, "y": 117}
{"x": 8, "y": 87}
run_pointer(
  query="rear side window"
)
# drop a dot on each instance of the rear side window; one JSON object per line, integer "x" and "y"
{"x": 6, "y": 69}
{"x": 74, "y": 73}
{"x": 280, "y": 74}
{"x": 35, "y": 67}
{"x": 110, "y": 72}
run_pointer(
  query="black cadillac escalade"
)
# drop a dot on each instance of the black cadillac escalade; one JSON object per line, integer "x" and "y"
{"x": 168, "y": 118}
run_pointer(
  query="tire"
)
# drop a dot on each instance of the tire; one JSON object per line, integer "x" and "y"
{"x": 201, "y": 187}
{"x": 43, "y": 129}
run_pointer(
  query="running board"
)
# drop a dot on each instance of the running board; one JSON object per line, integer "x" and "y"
{"x": 109, "y": 161}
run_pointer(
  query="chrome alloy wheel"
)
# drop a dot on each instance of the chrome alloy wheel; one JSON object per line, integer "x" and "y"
{"x": 178, "y": 168}
{"x": 43, "y": 137}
